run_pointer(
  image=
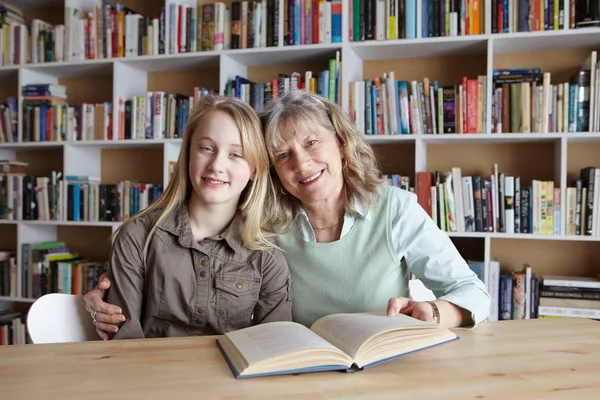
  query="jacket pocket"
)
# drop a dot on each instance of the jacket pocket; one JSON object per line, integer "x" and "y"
{"x": 236, "y": 297}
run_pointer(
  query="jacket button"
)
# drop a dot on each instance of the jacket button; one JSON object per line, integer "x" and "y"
{"x": 201, "y": 310}
{"x": 204, "y": 262}
{"x": 238, "y": 285}
{"x": 203, "y": 274}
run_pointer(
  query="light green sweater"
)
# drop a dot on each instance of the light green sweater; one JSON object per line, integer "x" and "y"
{"x": 357, "y": 273}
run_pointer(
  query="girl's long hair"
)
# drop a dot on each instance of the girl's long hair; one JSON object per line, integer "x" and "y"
{"x": 254, "y": 196}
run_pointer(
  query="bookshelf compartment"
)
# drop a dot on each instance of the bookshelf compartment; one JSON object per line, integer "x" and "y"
{"x": 396, "y": 159}
{"x": 547, "y": 40}
{"x": 465, "y": 46}
{"x": 88, "y": 88}
{"x": 183, "y": 81}
{"x": 447, "y": 70}
{"x": 579, "y": 156}
{"x": 471, "y": 249}
{"x": 92, "y": 243}
{"x": 143, "y": 165}
{"x": 8, "y": 236}
{"x": 267, "y": 72}
{"x": 42, "y": 162}
{"x": 528, "y": 160}
{"x": 50, "y": 11}
{"x": 547, "y": 257}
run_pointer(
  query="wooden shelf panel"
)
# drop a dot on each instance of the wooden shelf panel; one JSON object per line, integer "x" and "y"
{"x": 396, "y": 159}
{"x": 92, "y": 243}
{"x": 8, "y": 237}
{"x": 479, "y": 159}
{"x": 270, "y": 72}
{"x": 9, "y": 86}
{"x": 562, "y": 64}
{"x": 447, "y": 70}
{"x": 88, "y": 88}
{"x": 548, "y": 257}
{"x": 148, "y": 8}
{"x": 144, "y": 165}
{"x": 183, "y": 82}
{"x": 464, "y": 46}
{"x": 581, "y": 155}
{"x": 42, "y": 162}
{"x": 471, "y": 249}
{"x": 51, "y": 11}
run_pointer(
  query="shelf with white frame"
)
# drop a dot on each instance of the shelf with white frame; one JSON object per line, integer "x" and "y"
{"x": 113, "y": 78}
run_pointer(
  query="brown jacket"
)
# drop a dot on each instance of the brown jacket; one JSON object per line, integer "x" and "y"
{"x": 186, "y": 288}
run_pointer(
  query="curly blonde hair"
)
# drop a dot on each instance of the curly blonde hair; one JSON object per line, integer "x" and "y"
{"x": 254, "y": 196}
{"x": 302, "y": 111}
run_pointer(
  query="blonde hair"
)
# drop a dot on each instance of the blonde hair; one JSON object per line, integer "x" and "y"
{"x": 253, "y": 198}
{"x": 302, "y": 111}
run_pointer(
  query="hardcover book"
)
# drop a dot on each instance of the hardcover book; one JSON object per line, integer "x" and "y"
{"x": 337, "y": 342}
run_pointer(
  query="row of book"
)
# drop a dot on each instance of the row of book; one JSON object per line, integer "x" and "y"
{"x": 524, "y": 295}
{"x": 583, "y": 203}
{"x": 13, "y": 328}
{"x": 26, "y": 197}
{"x": 386, "y": 106}
{"x": 48, "y": 116}
{"x": 492, "y": 203}
{"x": 49, "y": 267}
{"x": 525, "y": 100}
{"x": 324, "y": 83}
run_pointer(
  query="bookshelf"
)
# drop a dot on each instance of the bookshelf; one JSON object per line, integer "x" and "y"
{"x": 553, "y": 156}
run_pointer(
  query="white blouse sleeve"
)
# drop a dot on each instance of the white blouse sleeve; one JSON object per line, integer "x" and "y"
{"x": 432, "y": 257}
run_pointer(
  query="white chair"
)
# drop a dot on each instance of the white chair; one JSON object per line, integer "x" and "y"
{"x": 418, "y": 291}
{"x": 60, "y": 318}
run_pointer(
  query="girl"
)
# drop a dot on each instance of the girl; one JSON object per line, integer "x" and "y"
{"x": 196, "y": 261}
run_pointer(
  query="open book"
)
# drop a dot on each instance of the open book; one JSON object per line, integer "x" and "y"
{"x": 346, "y": 342}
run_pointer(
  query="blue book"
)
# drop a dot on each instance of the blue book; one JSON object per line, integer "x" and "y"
{"x": 337, "y": 342}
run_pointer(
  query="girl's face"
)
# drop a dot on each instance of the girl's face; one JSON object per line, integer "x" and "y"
{"x": 309, "y": 165}
{"x": 217, "y": 167}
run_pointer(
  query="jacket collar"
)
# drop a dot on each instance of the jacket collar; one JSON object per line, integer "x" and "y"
{"x": 178, "y": 223}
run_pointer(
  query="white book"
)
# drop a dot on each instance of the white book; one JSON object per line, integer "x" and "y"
{"x": 458, "y": 199}
{"x": 509, "y": 211}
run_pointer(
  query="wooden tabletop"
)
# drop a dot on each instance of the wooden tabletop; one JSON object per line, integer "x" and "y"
{"x": 545, "y": 358}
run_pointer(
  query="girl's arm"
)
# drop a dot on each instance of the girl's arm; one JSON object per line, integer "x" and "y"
{"x": 126, "y": 273}
{"x": 275, "y": 298}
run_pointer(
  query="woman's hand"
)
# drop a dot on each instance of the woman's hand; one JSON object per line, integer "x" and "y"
{"x": 106, "y": 315}
{"x": 417, "y": 309}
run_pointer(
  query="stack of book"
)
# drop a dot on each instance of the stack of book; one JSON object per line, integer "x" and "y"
{"x": 570, "y": 296}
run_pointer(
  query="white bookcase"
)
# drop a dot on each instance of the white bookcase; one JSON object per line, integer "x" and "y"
{"x": 550, "y": 156}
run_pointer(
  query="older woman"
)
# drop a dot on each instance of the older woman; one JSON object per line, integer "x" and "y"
{"x": 351, "y": 242}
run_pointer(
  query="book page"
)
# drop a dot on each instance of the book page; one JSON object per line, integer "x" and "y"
{"x": 275, "y": 339}
{"x": 349, "y": 331}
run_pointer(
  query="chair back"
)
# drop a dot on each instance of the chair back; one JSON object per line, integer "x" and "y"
{"x": 60, "y": 318}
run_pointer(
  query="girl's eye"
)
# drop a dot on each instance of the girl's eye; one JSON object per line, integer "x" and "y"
{"x": 206, "y": 148}
{"x": 237, "y": 155}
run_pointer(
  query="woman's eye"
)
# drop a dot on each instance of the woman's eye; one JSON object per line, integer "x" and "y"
{"x": 311, "y": 142}
{"x": 282, "y": 156}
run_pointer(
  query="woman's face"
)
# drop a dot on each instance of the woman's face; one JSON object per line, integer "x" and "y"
{"x": 309, "y": 165}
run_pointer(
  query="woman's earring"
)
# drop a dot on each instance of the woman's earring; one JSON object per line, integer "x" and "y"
{"x": 283, "y": 192}
{"x": 344, "y": 163}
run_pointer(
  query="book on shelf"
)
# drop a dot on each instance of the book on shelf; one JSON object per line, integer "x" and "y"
{"x": 337, "y": 342}
{"x": 491, "y": 203}
{"x": 525, "y": 100}
{"x": 583, "y": 203}
{"x": 385, "y": 105}
{"x": 569, "y": 296}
